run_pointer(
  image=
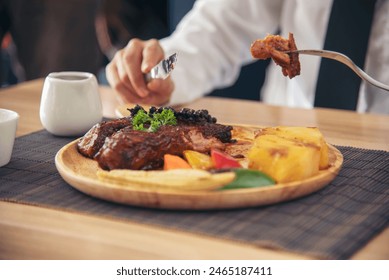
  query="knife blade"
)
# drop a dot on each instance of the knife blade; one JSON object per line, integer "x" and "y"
{"x": 163, "y": 69}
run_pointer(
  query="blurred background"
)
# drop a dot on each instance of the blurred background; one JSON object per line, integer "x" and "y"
{"x": 42, "y": 36}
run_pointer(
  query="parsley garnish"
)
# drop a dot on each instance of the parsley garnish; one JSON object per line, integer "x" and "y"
{"x": 144, "y": 122}
{"x": 140, "y": 119}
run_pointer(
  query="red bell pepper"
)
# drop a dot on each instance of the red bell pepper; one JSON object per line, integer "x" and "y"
{"x": 222, "y": 160}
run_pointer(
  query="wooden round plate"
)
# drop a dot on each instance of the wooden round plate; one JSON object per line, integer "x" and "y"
{"x": 80, "y": 172}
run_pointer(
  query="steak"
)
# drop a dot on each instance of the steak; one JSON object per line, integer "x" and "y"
{"x": 140, "y": 150}
{"x": 116, "y": 145}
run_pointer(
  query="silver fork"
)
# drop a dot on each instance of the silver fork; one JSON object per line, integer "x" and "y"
{"x": 347, "y": 61}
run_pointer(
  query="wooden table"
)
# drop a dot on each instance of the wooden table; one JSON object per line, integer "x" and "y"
{"x": 30, "y": 232}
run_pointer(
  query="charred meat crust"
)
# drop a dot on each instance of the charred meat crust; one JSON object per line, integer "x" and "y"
{"x": 94, "y": 139}
{"x": 294, "y": 67}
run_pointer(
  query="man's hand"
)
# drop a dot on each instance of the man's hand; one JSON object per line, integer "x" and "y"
{"x": 125, "y": 73}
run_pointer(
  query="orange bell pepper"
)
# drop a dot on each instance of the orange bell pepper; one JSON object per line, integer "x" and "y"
{"x": 174, "y": 162}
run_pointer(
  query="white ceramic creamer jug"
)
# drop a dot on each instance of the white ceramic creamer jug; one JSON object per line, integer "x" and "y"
{"x": 70, "y": 103}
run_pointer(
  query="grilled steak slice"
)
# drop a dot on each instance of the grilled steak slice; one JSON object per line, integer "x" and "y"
{"x": 94, "y": 139}
{"x": 116, "y": 145}
{"x": 140, "y": 150}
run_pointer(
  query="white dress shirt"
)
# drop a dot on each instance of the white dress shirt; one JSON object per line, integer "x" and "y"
{"x": 213, "y": 42}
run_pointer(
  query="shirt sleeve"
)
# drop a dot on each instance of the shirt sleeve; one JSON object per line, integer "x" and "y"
{"x": 213, "y": 42}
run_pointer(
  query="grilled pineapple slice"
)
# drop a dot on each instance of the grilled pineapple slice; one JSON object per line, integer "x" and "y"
{"x": 289, "y": 153}
{"x": 307, "y": 135}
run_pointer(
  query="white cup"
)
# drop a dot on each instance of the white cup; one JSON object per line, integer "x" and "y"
{"x": 70, "y": 103}
{"x": 8, "y": 124}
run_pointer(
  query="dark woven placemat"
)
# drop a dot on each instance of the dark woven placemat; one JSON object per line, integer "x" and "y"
{"x": 332, "y": 223}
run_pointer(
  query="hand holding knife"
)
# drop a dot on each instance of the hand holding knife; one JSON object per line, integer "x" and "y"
{"x": 126, "y": 73}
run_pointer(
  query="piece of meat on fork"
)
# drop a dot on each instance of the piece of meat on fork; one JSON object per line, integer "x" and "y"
{"x": 280, "y": 50}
